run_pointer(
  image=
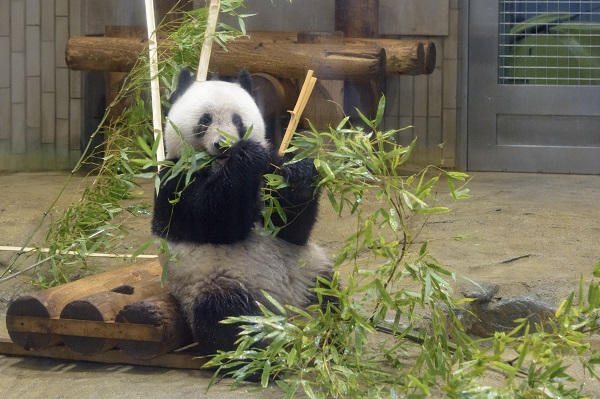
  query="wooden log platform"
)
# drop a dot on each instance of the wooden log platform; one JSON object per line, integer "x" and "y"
{"x": 49, "y": 303}
{"x": 125, "y": 307}
{"x": 184, "y": 359}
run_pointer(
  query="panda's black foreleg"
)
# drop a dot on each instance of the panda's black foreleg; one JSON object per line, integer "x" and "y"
{"x": 220, "y": 205}
{"x": 227, "y": 299}
{"x": 300, "y": 201}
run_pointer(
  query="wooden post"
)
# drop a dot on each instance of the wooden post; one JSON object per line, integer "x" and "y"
{"x": 357, "y": 18}
{"x": 274, "y": 98}
{"x": 49, "y": 303}
{"x": 104, "y": 306}
{"x": 114, "y": 80}
{"x": 325, "y": 106}
{"x": 360, "y": 18}
{"x": 161, "y": 311}
{"x": 169, "y": 11}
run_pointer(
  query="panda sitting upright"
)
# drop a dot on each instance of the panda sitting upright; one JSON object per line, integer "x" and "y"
{"x": 221, "y": 266}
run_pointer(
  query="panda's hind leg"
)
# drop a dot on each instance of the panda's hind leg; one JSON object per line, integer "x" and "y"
{"x": 226, "y": 298}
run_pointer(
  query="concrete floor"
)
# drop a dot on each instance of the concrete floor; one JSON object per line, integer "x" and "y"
{"x": 534, "y": 235}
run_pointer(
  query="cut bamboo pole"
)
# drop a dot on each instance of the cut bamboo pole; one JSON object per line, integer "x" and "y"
{"x": 213, "y": 15}
{"x": 94, "y": 254}
{"x": 154, "y": 83}
{"x": 307, "y": 88}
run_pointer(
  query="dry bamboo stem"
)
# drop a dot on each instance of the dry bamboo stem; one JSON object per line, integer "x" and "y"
{"x": 307, "y": 88}
{"x": 213, "y": 15}
{"x": 154, "y": 83}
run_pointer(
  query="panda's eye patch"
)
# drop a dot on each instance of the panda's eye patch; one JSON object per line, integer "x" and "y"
{"x": 204, "y": 121}
{"x": 237, "y": 120}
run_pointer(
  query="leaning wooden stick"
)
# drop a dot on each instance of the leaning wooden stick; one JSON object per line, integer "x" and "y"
{"x": 211, "y": 25}
{"x": 307, "y": 88}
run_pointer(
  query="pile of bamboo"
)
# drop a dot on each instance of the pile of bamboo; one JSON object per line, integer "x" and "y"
{"x": 120, "y": 316}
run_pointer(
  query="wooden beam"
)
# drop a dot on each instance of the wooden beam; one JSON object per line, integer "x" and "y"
{"x": 89, "y": 328}
{"x": 403, "y": 56}
{"x": 355, "y": 62}
{"x": 176, "y": 360}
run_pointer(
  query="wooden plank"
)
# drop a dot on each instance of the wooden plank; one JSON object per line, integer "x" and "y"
{"x": 175, "y": 360}
{"x": 86, "y": 328}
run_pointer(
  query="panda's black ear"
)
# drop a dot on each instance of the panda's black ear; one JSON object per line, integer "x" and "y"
{"x": 245, "y": 80}
{"x": 184, "y": 81}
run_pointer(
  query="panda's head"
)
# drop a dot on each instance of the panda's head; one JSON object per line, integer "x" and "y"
{"x": 200, "y": 111}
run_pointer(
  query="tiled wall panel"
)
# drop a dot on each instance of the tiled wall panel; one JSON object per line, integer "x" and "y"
{"x": 35, "y": 117}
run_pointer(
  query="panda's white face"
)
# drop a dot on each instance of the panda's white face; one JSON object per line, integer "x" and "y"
{"x": 205, "y": 110}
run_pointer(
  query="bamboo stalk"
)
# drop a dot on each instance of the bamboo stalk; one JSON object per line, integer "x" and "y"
{"x": 95, "y": 254}
{"x": 154, "y": 83}
{"x": 213, "y": 15}
{"x": 307, "y": 88}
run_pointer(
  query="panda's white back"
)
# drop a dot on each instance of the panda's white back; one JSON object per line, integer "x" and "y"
{"x": 284, "y": 270}
{"x": 221, "y": 100}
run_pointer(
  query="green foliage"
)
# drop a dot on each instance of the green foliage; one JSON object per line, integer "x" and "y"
{"x": 337, "y": 348}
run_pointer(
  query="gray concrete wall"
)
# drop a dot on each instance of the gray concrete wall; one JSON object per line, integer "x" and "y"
{"x": 39, "y": 97}
{"x": 42, "y": 102}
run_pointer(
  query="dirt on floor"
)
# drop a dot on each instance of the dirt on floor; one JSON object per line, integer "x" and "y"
{"x": 533, "y": 235}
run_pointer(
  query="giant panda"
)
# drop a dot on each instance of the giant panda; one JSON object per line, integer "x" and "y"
{"x": 221, "y": 265}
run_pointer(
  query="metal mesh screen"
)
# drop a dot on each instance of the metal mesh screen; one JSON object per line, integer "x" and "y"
{"x": 549, "y": 42}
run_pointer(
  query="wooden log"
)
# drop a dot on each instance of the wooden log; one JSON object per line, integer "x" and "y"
{"x": 284, "y": 61}
{"x": 429, "y": 57}
{"x": 405, "y": 57}
{"x": 103, "y": 53}
{"x": 177, "y": 360}
{"x": 357, "y": 62}
{"x": 104, "y": 307}
{"x": 88, "y": 53}
{"x": 50, "y": 302}
{"x": 163, "y": 312}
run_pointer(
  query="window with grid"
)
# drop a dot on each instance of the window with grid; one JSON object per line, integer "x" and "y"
{"x": 549, "y": 42}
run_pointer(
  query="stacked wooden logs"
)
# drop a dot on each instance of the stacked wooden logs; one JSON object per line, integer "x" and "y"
{"x": 124, "y": 308}
{"x": 277, "y": 53}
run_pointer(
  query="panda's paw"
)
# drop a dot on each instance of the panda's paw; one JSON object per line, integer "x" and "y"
{"x": 228, "y": 298}
{"x": 248, "y": 153}
{"x": 300, "y": 174}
